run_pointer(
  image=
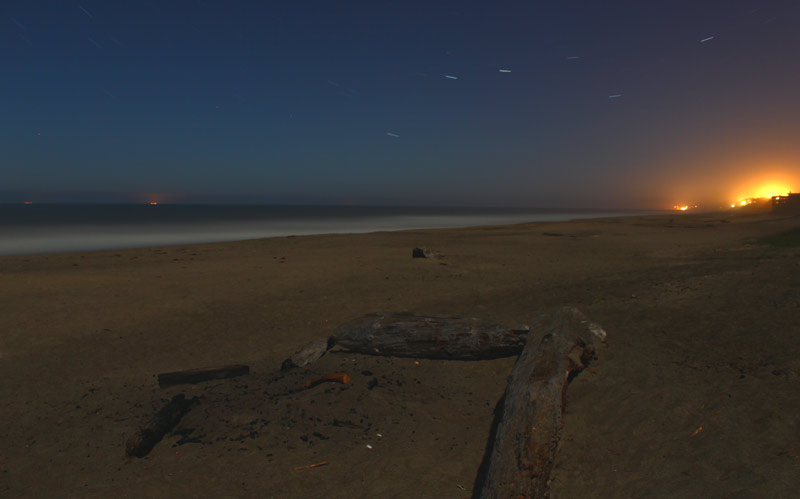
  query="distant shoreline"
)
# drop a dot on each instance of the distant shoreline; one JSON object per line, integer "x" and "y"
{"x": 63, "y": 229}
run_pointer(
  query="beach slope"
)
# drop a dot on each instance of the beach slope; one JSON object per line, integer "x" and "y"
{"x": 695, "y": 395}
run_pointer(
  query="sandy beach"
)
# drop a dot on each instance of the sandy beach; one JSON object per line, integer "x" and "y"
{"x": 696, "y": 395}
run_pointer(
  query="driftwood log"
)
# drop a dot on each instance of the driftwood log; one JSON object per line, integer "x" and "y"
{"x": 200, "y": 375}
{"x": 418, "y": 336}
{"x": 143, "y": 441}
{"x": 522, "y": 452}
{"x": 429, "y": 337}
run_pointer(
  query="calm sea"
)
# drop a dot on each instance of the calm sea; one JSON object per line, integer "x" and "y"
{"x": 52, "y": 228}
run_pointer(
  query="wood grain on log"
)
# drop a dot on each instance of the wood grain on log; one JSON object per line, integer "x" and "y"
{"x": 199, "y": 375}
{"x": 429, "y": 337}
{"x": 522, "y": 452}
{"x": 143, "y": 441}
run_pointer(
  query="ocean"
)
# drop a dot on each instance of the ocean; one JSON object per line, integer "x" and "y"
{"x": 56, "y": 228}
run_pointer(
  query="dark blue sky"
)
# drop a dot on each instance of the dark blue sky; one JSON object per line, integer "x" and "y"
{"x": 294, "y": 102}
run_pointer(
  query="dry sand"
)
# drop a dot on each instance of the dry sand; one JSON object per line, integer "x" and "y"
{"x": 696, "y": 395}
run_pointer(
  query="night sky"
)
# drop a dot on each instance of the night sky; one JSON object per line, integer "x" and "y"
{"x": 604, "y": 104}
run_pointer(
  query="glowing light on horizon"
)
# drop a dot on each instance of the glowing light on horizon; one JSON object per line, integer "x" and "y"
{"x": 769, "y": 190}
{"x": 154, "y": 198}
{"x": 764, "y": 188}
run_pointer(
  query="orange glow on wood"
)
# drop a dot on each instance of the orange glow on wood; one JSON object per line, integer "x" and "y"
{"x": 335, "y": 378}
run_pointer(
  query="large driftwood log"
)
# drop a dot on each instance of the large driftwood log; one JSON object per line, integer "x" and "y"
{"x": 429, "y": 337}
{"x": 199, "y": 375}
{"x": 522, "y": 453}
{"x": 143, "y": 441}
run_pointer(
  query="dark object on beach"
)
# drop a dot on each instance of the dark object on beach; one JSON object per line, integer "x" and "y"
{"x": 308, "y": 354}
{"x": 552, "y": 234}
{"x": 140, "y": 444}
{"x": 200, "y": 375}
{"x": 429, "y": 337}
{"x": 346, "y": 424}
{"x": 425, "y": 253}
{"x": 342, "y": 378}
{"x": 522, "y": 450}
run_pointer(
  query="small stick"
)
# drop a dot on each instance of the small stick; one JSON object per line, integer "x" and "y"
{"x": 336, "y": 378}
{"x": 323, "y": 463}
{"x": 199, "y": 375}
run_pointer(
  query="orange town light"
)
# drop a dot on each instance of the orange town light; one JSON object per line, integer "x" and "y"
{"x": 764, "y": 188}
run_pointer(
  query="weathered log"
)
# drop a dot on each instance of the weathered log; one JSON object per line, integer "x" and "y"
{"x": 430, "y": 337}
{"x": 199, "y": 375}
{"x": 143, "y": 441}
{"x": 308, "y": 354}
{"x": 522, "y": 451}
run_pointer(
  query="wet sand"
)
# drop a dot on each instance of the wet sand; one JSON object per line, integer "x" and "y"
{"x": 696, "y": 394}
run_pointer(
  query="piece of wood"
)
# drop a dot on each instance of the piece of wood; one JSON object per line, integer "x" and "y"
{"x": 199, "y": 375}
{"x": 342, "y": 378}
{"x": 522, "y": 451}
{"x": 316, "y": 465}
{"x": 143, "y": 441}
{"x": 429, "y": 337}
{"x": 308, "y": 354}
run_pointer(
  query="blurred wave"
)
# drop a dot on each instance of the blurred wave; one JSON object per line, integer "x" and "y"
{"x": 55, "y": 229}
